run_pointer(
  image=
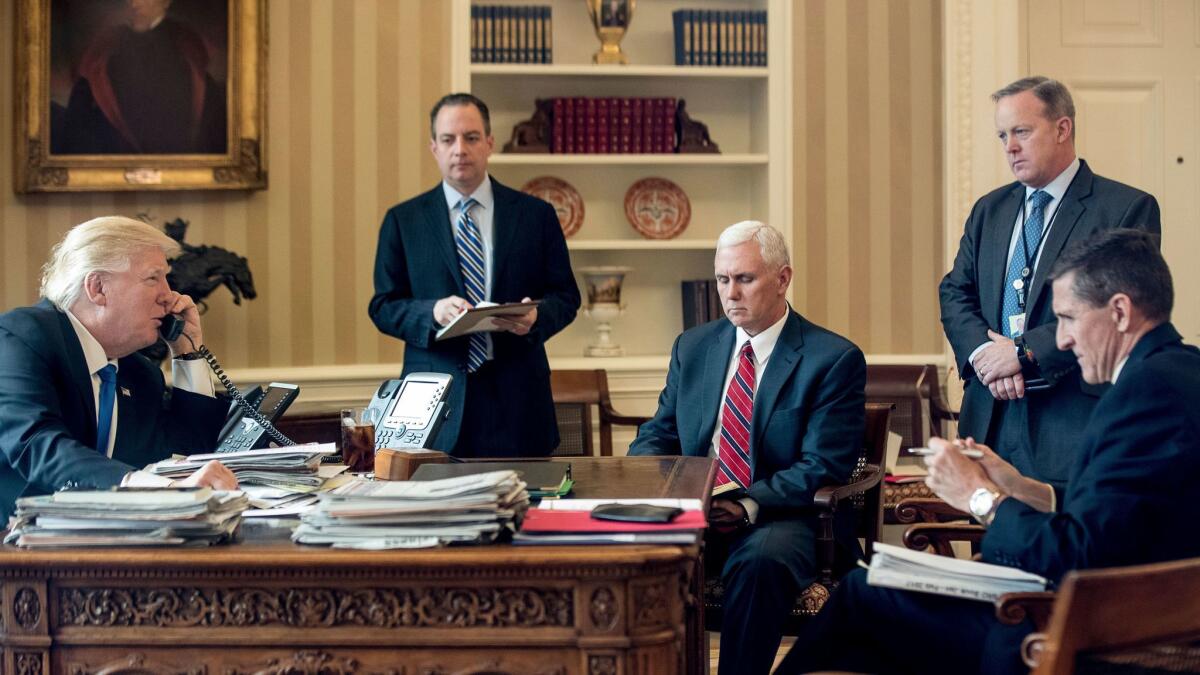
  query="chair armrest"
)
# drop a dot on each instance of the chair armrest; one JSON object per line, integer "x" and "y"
{"x": 827, "y": 498}
{"x": 607, "y": 412}
{"x": 1013, "y": 608}
{"x": 921, "y": 536}
{"x": 926, "y": 510}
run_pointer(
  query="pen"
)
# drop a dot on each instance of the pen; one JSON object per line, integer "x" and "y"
{"x": 973, "y": 454}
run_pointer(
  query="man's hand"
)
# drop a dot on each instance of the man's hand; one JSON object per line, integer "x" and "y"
{"x": 1008, "y": 388}
{"x": 185, "y": 307}
{"x": 214, "y": 475}
{"x": 997, "y": 360}
{"x": 1000, "y": 472}
{"x": 953, "y": 476}
{"x": 518, "y": 325}
{"x": 447, "y": 308}
{"x": 726, "y": 515}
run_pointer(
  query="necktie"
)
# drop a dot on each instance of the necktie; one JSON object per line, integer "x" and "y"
{"x": 108, "y": 397}
{"x": 470, "y": 261}
{"x": 1031, "y": 237}
{"x": 733, "y": 451}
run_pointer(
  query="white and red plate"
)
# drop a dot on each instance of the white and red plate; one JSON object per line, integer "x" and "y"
{"x": 657, "y": 208}
{"x": 564, "y": 198}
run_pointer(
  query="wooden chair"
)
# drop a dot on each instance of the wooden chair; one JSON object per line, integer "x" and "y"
{"x": 575, "y": 392}
{"x": 861, "y": 496}
{"x": 1139, "y": 619}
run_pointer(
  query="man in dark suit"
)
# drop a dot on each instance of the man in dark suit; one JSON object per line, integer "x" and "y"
{"x": 1021, "y": 392}
{"x": 779, "y": 402}
{"x": 468, "y": 240}
{"x": 78, "y": 405}
{"x": 1131, "y": 498}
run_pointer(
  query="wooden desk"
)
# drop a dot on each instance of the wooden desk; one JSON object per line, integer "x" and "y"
{"x": 271, "y": 607}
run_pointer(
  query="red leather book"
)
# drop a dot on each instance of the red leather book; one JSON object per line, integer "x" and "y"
{"x": 602, "y": 117}
{"x": 637, "y": 122}
{"x": 667, "y": 119}
{"x": 589, "y": 125}
{"x": 539, "y": 520}
{"x": 649, "y": 107}
{"x": 569, "y": 126}
{"x": 580, "y": 124}
{"x": 557, "y": 139}
{"x": 626, "y": 130}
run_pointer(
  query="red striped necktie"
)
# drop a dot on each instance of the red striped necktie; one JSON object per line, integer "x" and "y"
{"x": 733, "y": 451}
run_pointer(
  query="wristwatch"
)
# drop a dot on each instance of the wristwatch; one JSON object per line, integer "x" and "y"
{"x": 983, "y": 504}
{"x": 1025, "y": 355}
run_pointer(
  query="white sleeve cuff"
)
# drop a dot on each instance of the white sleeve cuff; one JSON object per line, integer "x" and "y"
{"x": 971, "y": 358}
{"x": 751, "y": 507}
{"x": 145, "y": 479}
{"x": 192, "y": 376}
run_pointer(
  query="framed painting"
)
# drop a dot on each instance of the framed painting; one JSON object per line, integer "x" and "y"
{"x": 141, "y": 95}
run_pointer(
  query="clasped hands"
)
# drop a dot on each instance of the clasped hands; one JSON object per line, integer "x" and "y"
{"x": 998, "y": 368}
{"x": 727, "y": 515}
{"x": 447, "y": 308}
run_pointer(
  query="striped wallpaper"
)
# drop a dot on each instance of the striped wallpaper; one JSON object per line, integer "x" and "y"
{"x": 350, "y": 83}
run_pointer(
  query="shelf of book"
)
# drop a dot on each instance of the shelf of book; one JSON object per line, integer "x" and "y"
{"x": 581, "y": 159}
{"x": 482, "y": 70}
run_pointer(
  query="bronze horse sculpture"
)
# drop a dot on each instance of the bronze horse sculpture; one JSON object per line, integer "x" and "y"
{"x": 198, "y": 271}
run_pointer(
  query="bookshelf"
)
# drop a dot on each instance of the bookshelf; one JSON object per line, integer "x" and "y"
{"x": 748, "y": 113}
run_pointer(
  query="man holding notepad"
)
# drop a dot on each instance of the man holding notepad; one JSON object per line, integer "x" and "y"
{"x": 778, "y": 401}
{"x": 467, "y": 242}
{"x": 1131, "y": 496}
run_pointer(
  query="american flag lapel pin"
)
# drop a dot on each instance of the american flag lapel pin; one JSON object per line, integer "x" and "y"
{"x": 125, "y": 392}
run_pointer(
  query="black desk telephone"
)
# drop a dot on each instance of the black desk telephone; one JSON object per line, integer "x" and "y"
{"x": 253, "y": 428}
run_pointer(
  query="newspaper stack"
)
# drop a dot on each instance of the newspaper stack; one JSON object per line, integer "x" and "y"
{"x": 415, "y": 514}
{"x": 128, "y": 517}
{"x": 897, "y": 567}
{"x": 294, "y": 468}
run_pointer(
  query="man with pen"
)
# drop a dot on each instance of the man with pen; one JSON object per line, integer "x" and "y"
{"x": 1130, "y": 494}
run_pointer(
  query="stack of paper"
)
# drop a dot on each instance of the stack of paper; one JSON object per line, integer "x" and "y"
{"x": 569, "y": 521}
{"x": 542, "y": 478}
{"x": 896, "y": 567}
{"x": 294, "y": 468}
{"x": 128, "y": 517}
{"x": 412, "y": 514}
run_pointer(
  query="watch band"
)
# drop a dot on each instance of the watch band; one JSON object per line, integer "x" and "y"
{"x": 190, "y": 356}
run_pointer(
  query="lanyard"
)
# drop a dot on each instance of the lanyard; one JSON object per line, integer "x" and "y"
{"x": 1021, "y": 283}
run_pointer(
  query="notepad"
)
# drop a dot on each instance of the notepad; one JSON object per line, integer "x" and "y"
{"x": 483, "y": 317}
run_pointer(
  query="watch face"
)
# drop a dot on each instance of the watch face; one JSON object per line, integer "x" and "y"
{"x": 981, "y": 502}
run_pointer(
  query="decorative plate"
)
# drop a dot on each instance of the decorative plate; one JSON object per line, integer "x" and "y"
{"x": 565, "y": 200}
{"x": 657, "y": 208}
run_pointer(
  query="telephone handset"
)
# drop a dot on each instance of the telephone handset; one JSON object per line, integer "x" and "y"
{"x": 254, "y": 428}
{"x": 411, "y": 411}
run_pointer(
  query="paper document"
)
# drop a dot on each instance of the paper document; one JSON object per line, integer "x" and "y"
{"x": 483, "y": 318}
{"x": 897, "y": 567}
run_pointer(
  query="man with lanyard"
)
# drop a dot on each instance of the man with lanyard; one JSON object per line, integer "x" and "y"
{"x": 1023, "y": 396}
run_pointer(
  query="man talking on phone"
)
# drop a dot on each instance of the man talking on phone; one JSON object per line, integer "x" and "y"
{"x": 79, "y": 407}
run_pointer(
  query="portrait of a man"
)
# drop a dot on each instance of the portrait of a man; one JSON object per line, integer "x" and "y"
{"x": 138, "y": 77}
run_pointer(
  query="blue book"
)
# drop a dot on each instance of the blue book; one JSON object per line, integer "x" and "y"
{"x": 677, "y": 22}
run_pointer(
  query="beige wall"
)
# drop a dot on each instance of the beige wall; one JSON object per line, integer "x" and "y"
{"x": 350, "y": 84}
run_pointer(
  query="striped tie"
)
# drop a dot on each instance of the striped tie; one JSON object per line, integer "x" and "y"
{"x": 734, "y": 448}
{"x": 470, "y": 261}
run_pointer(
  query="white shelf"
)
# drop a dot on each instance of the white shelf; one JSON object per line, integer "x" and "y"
{"x": 694, "y": 159}
{"x": 653, "y": 363}
{"x": 588, "y": 70}
{"x": 641, "y": 244}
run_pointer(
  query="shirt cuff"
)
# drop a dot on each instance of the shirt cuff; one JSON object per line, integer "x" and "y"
{"x": 145, "y": 479}
{"x": 1053, "y": 498}
{"x": 980, "y": 348}
{"x": 192, "y": 376}
{"x": 751, "y": 507}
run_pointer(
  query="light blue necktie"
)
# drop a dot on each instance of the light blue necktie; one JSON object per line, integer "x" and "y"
{"x": 108, "y": 397}
{"x": 470, "y": 261}
{"x": 1031, "y": 235}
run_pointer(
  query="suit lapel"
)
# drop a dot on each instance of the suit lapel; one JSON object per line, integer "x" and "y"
{"x": 504, "y": 228}
{"x": 997, "y": 239}
{"x": 438, "y": 227}
{"x": 1065, "y": 220}
{"x": 784, "y": 359}
{"x": 712, "y": 389}
{"x": 77, "y": 366}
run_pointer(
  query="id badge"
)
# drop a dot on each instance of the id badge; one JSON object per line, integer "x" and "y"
{"x": 1016, "y": 325}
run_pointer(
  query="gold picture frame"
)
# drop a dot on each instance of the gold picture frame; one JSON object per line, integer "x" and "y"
{"x": 49, "y": 156}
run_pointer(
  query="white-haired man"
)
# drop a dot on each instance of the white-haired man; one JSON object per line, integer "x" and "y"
{"x": 778, "y": 402}
{"x": 78, "y": 405}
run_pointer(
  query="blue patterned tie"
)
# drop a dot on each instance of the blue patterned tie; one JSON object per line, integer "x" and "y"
{"x": 1032, "y": 235}
{"x": 108, "y": 396}
{"x": 470, "y": 261}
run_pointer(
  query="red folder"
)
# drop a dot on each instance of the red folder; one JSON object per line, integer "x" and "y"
{"x": 542, "y": 520}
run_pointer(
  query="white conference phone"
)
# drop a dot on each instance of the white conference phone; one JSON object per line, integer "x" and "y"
{"x": 410, "y": 411}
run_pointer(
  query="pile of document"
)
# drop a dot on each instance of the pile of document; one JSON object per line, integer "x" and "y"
{"x": 294, "y": 468}
{"x": 128, "y": 517}
{"x": 896, "y": 567}
{"x": 570, "y": 522}
{"x": 542, "y": 478}
{"x": 415, "y": 514}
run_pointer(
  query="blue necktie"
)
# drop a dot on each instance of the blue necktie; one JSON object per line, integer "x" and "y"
{"x": 470, "y": 261}
{"x": 108, "y": 397}
{"x": 1031, "y": 235}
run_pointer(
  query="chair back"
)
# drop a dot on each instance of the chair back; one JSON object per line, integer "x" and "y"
{"x": 869, "y": 505}
{"x": 1144, "y": 615}
{"x": 916, "y": 393}
{"x": 575, "y": 393}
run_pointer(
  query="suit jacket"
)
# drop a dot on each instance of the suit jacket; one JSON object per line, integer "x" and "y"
{"x": 972, "y": 293}
{"x": 808, "y": 410}
{"x": 1132, "y": 497}
{"x": 48, "y": 411}
{"x": 417, "y": 264}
